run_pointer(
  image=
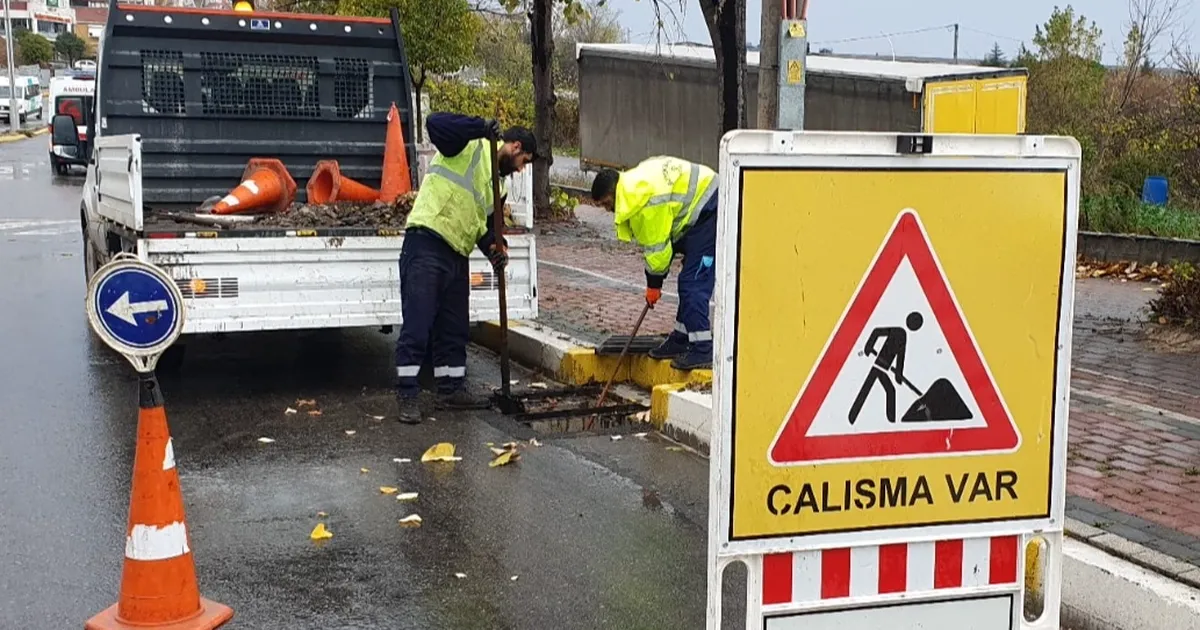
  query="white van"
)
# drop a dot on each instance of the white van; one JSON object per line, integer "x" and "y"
{"x": 29, "y": 97}
{"x": 75, "y": 97}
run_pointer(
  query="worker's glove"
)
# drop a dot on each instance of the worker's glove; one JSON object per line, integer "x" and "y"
{"x": 652, "y": 296}
{"x": 493, "y": 129}
{"x": 498, "y": 256}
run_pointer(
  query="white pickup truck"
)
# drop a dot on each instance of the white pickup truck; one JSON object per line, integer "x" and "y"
{"x": 179, "y": 117}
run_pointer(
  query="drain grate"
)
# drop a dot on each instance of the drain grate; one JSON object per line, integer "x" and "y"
{"x": 573, "y": 410}
{"x": 642, "y": 344}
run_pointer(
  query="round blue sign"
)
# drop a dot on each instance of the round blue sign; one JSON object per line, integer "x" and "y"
{"x": 135, "y": 307}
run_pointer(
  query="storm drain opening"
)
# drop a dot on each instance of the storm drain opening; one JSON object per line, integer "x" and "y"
{"x": 573, "y": 410}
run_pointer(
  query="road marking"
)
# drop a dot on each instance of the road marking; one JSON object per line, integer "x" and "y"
{"x": 36, "y": 227}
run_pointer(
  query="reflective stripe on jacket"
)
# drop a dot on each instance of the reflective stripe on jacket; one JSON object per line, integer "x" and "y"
{"x": 455, "y": 198}
{"x": 657, "y": 201}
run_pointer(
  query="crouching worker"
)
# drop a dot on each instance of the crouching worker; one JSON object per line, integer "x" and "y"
{"x": 450, "y": 218}
{"x": 669, "y": 206}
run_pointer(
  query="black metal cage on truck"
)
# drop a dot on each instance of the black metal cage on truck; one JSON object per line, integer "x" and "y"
{"x": 207, "y": 90}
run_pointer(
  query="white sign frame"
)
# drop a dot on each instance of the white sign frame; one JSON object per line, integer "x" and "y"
{"x": 763, "y": 148}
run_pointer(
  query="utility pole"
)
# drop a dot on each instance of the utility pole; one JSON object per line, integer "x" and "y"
{"x": 956, "y": 43}
{"x": 793, "y": 62}
{"x": 14, "y": 111}
{"x": 768, "y": 64}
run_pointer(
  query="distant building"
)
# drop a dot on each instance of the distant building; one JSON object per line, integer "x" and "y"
{"x": 44, "y": 17}
{"x": 89, "y": 22}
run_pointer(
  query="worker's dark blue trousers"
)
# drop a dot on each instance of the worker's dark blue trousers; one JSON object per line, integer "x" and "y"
{"x": 699, "y": 248}
{"x": 435, "y": 293}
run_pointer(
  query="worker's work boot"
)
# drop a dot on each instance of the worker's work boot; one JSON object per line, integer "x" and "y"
{"x": 676, "y": 345}
{"x": 413, "y": 409}
{"x": 694, "y": 360}
{"x": 461, "y": 399}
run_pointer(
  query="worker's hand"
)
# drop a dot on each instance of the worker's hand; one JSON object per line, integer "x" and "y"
{"x": 498, "y": 256}
{"x": 493, "y": 129}
{"x": 652, "y": 296}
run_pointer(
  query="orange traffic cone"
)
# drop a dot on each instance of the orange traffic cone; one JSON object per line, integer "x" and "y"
{"x": 266, "y": 186}
{"x": 328, "y": 185}
{"x": 396, "y": 178}
{"x": 158, "y": 583}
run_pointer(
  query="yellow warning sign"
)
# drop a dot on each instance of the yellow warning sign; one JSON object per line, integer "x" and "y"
{"x": 896, "y": 348}
{"x": 795, "y": 71}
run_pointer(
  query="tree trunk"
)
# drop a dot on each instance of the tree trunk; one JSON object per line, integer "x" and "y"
{"x": 768, "y": 64}
{"x": 541, "y": 34}
{"x": 726, "y": 20}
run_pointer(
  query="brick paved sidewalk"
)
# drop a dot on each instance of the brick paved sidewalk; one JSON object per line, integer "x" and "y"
{"x": 1134, "y": 463}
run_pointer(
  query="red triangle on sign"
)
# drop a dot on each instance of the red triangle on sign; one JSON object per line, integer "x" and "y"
{"x": 796, "y": 443}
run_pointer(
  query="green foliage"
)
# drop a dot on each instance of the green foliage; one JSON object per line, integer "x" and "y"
{"x": 503, "y": 44}
{"x": 995, "y": 58}
{"x": 70, "y": 46}
{"x": 515, "y": 105}
{"x": 562, "y": 205}
{"x": 33, "y": 48}
{"x": 1065, "y": 35}
{"x": 438, "y": 34}
{"x": 1126, "y": 214}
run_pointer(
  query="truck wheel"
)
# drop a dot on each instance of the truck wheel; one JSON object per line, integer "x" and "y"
{"x": 171, "y": 360}
{"x": 61, "y": 168}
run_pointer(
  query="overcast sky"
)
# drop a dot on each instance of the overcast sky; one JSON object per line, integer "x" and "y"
{"x": 831, "y": 22}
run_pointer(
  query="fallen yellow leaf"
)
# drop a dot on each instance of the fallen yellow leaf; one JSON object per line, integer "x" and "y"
{"x": 506, "y": 457}
{"x": 320, "y": 533}
{"x": 305, "y": 403}
{"x": 363, "y": 471}
{"x": 440, "y": 452}
{"x": 498, "y": 451}
{"x": 314, "y": 412}
{"x": 412, "y": 520}
{"x": 322, "y": 514}
{"x": 388, "y": 490}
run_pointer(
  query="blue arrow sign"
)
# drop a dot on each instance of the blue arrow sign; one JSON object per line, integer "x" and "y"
{"x": 135, "y": 307}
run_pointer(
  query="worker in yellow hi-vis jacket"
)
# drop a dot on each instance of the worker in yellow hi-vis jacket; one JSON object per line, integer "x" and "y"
{"x": 669, "y": 206}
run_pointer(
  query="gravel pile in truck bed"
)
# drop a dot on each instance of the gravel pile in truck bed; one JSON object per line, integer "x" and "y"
{"x": 343, "y": 214}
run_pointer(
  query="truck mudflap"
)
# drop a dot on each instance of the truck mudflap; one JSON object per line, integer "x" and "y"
{"x": 254, "y": 284}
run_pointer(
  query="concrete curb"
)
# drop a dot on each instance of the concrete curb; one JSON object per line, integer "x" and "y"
{"x": 575, "y": 362}
{"x": 25, "y": 135}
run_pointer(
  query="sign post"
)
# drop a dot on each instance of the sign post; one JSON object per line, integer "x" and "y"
{"x": 136, "y": 309}
{"x": 890, "y": 397}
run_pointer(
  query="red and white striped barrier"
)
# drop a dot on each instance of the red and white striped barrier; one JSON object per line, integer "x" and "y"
{"x": 809, "y": 576}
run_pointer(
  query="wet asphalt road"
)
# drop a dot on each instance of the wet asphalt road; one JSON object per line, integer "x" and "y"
{"x": 599, "y": 533}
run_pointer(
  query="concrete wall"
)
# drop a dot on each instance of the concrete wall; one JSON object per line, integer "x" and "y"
{"x": 631, "y": 109}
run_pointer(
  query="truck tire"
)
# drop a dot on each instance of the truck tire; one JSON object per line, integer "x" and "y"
{"x": 60, "y": 167}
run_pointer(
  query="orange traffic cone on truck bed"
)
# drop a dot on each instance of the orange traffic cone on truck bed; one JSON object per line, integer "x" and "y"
{"x": 396, "y": 178}
{"x": 328, "y": 185}
{"x": 266, "y": 187}
{"x": 158, "y": 583}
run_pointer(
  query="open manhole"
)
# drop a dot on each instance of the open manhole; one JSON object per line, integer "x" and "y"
{"x": 574, "y": 410}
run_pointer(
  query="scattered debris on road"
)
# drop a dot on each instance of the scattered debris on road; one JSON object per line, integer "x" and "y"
{"x": 440, "y": 452}
{"x": 289, "y": 411}
{"x": 320, "y": 533}
{"x": 406, "y": 496}
{"x": 363, "y": 471}
{"x": 265, "y": 440}
{"x": 302, "y": 403}
{"x": 402, "y": 460}
{"x": 460, "y": 575}
{"x": 1123, "y": 270}
{"x": 350, "y": 431}
{"x": 412, "y": 520}
{"x": 388, "y": 489}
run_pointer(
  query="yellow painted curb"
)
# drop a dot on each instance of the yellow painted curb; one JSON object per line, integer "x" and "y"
{"x": 13, "y": 137}
{"x": 575, "y": 364}
{"x": 660, "y": 402}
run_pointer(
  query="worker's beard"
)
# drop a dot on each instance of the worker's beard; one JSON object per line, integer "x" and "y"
{"x": 508, "y": 165}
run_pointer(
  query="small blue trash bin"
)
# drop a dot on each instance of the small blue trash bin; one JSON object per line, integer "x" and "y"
{"x": 1154, "y": 190}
